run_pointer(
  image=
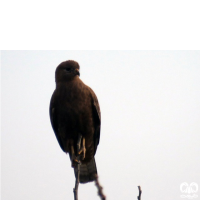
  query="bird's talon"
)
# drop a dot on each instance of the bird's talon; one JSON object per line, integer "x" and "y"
{"x": 80, "y": 151}
{"x": 83, "y": 150}
{"x": 75, "y": 162}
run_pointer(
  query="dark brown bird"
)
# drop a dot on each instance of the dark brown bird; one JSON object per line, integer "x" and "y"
{"x": 74, "y": 111}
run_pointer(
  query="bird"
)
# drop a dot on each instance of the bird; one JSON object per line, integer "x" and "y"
{"x": 75, "y": 114}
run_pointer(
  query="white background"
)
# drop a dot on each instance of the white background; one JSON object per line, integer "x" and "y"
{"x": 150, "y": 104}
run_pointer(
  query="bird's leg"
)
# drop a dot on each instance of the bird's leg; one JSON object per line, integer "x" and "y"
{"x": 79, "y": 142}
{"x": 74, "y": 158}
{"x": 83, "y": 149}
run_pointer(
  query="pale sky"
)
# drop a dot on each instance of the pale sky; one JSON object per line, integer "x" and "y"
{"x": 150, "y": 134}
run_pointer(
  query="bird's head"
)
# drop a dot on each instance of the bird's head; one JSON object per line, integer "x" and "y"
{"x": 67, "y": 70}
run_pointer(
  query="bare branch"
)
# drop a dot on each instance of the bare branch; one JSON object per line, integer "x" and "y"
{"x": 75, "y": 190}
{"x": 100, "y": 188}
{"x": 140, "y": 192}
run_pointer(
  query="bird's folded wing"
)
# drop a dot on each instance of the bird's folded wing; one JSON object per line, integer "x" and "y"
{"x": 97, "y": 119}
{"x": 54, "y": 121}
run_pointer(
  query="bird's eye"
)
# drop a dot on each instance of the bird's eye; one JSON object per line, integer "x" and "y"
{"x": 68, "y": 69}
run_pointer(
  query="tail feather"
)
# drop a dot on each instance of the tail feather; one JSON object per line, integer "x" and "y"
{"x": 88, "y": 172}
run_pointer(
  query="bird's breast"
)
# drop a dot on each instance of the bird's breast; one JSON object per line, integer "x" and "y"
{"x": 75, "y": 109}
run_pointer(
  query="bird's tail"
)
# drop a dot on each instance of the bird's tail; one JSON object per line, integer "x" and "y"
{"x": 88, "y": 172}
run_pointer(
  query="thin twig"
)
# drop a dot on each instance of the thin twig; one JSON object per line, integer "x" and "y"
{"x": 75, "y": 190}
{"x": 76, "y": 183}
{"x": 140, "y": 192}
{"x": 100, "y": 188}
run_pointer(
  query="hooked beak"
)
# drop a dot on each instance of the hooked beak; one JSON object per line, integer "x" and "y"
{"x": 77, "y": 72}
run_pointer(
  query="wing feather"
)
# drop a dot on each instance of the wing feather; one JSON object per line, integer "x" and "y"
{"x": 97, "y": 119}
{"x": 54, "y": 121}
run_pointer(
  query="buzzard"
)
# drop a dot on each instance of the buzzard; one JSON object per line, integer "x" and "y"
{"x": 75, "y": 113}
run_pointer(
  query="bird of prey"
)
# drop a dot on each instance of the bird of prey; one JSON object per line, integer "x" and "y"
{"x": 74, "y": 112}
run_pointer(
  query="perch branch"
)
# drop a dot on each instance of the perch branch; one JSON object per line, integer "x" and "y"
{"x": 75, "y": 190}
{"x": 140, "y": 192}
{"x": 100, "y": 188}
